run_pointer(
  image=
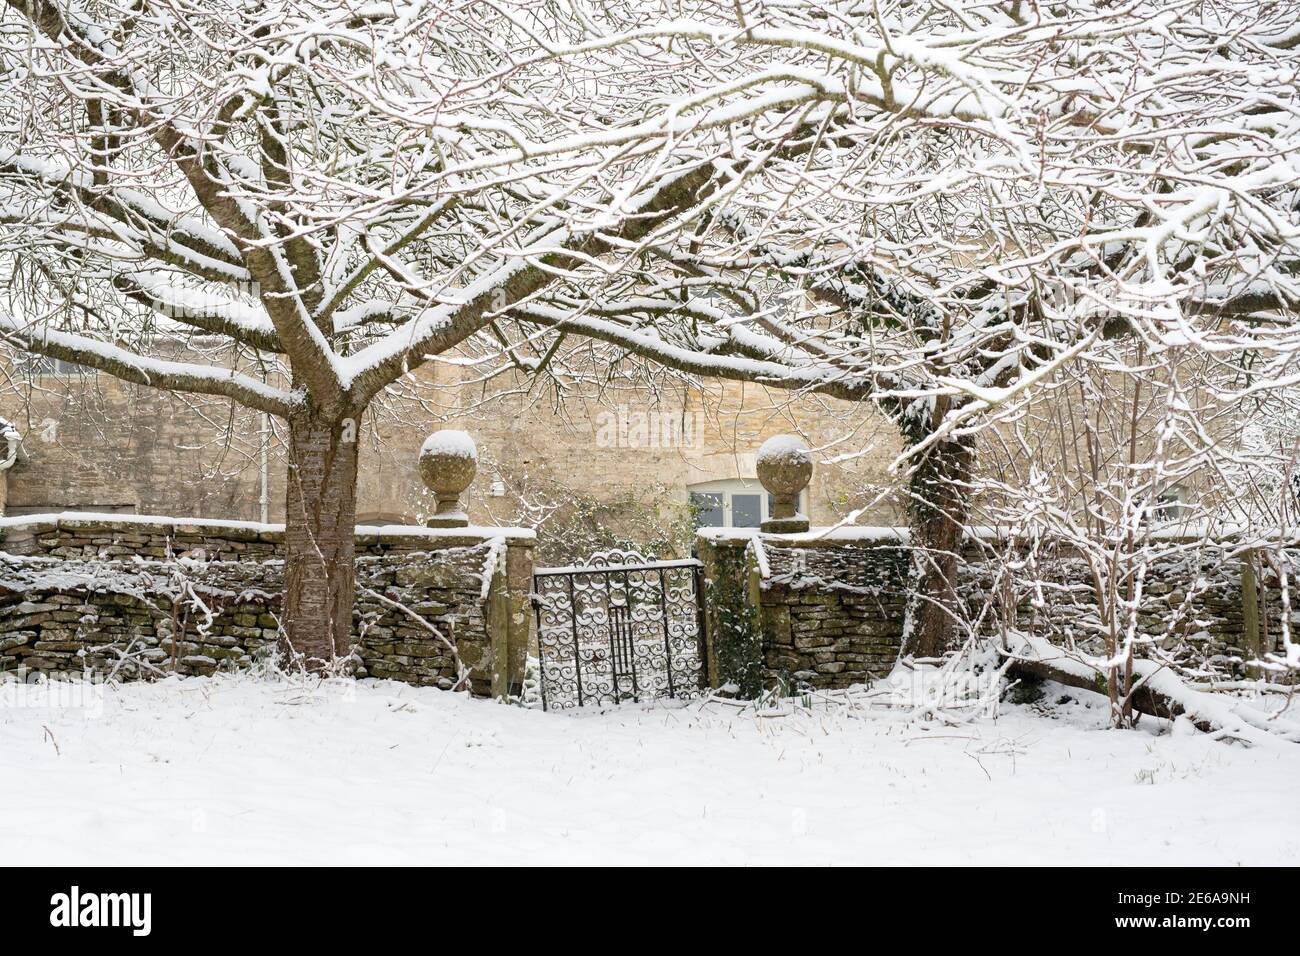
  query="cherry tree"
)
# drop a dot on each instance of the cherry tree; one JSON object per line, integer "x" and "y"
{"x": 310, "y": 183}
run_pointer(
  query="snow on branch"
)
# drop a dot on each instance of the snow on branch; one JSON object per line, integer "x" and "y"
{"x": 144, "y": 370}
{"x": 922, "y": 187}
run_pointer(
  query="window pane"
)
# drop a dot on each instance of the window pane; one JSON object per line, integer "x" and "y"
{"x": 44, "y": 365}
{"x": 706, "y": 509}
{"x": 746, "y": 511}
{"x": 1169, "y": 506}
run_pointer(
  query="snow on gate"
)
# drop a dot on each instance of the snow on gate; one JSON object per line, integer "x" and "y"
{"x": 619, "y": 627}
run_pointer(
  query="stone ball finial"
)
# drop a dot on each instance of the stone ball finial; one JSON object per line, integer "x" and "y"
{"x": 448, "y": 462}
{"x": 784, "y": 467}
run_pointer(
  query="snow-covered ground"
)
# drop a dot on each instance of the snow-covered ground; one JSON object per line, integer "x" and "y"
{"x": 241, "y": 770}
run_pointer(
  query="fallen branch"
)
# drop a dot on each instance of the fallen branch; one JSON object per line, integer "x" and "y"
{"x": 1158, "y": 692}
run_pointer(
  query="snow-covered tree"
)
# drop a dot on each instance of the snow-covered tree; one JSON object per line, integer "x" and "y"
{"x": 313, "y": 183}
{"x": 934, "y": 209}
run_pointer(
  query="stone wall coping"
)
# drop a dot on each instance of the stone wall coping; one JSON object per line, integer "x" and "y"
{"x": 471, "y": 534}
{"x": 849, "y": 535}
{"x": 255, "y": 530}
{"x": 845, "y": 536}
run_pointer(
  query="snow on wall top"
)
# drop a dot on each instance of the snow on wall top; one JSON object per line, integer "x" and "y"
{"x": 468, "y": 531}
{"x": 1238, "y": 536}
{"x": 81, "y": 519}
{"x": 96, "y": 517}
{"x": 840, "y": 534}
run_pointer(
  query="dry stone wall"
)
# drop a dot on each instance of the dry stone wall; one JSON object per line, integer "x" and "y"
{"x": 826, "y": 613}
{"x": 140, "y": 596}
{"x": 832, "y": 616}
{"x": 1192, "y": 604}
{"x": 809, "y": 611}
{"x": 150, "y": 597}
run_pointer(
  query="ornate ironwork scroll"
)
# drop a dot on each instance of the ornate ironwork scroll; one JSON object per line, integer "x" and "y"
{"x": 619, "y": 627}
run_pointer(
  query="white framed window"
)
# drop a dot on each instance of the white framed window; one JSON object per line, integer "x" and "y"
{"x": 732, "y": 503}
{"x": 1171, "y": 505}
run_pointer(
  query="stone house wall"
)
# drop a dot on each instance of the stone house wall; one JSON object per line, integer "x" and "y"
{"x": 150, "y": 596}
{"x": 93, "y": 443}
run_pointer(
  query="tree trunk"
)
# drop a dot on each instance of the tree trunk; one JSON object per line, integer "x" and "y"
{"x": 320, "y": 540}
{"x": 938, "y": 511}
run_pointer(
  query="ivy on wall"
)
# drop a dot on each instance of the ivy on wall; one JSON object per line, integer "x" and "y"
{"x": 734, "y": 622}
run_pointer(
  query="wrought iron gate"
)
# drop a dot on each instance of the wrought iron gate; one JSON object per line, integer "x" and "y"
{"x": 619, "y": 627}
